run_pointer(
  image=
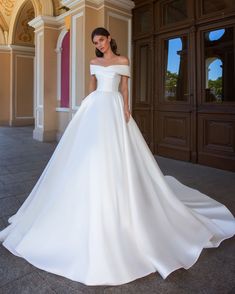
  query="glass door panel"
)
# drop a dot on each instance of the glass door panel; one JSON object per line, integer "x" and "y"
{"x": 174, "y": 11}
{"x": 209, "y": 6}
{"x": 219, "y": 85}
{"x": 176, "y": 86}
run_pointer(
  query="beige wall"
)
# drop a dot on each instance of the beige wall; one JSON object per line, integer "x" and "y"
{"x": 2, "y": 38}
{"x": 50, "y": 78}
{"x": 5, "y": 59}
{"x": 119, "y": 30}
{"x": 63, "y": 118}
{"x": 16, "y": 88}
{"x": 24, "y": 86}
{"x": 94, "y": 19}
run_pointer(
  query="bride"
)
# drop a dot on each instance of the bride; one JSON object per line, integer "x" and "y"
{"x": 102, "y": 212}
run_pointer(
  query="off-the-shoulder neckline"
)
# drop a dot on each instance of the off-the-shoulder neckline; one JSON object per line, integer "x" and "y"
{"x": 109, "y": 65}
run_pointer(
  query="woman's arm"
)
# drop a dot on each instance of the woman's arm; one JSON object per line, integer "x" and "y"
{"x": 92, "y": 83}
{"x": 124, "y": 91}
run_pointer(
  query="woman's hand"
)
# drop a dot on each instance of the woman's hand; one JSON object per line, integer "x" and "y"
{"x": 127, "y": 113}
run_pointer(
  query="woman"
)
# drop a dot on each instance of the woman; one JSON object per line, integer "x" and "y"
{"x": 102, "y": 213}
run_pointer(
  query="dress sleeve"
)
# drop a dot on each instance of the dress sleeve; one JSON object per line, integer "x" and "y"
{"x": 124, "y": 70}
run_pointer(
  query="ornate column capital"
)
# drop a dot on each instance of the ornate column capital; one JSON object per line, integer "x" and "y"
{"x": 71, "y": 3}
{"x": 125, "y": 4}
{"x": 41, "y": 20}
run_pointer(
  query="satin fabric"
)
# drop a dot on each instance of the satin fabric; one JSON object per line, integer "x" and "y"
{"x": 102, "y": 212}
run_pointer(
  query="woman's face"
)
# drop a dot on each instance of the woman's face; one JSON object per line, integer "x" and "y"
{"x": 102, "y": 43}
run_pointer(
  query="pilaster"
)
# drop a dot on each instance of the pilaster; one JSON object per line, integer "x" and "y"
{"x": 47, "y": 29}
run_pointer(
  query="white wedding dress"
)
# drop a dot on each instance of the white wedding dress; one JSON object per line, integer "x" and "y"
{"x": 102, "y": 212}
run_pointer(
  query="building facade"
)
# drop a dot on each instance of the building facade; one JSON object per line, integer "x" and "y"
{"x": 182, "y": 56}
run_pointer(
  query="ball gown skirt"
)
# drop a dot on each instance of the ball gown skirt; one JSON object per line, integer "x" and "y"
{"x": 102, "y": 212}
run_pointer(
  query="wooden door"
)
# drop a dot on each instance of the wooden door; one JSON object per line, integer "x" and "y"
{"x": 184, "y": 80}
{"x": 174, "y": 108}
{"x": 142, "y": 91}
{"x": 216, "y": 97}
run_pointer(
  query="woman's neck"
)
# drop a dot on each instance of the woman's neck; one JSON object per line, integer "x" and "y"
{"x": 109, "y": 55}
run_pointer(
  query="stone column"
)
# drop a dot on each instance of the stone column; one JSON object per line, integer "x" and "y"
{"x": 46, "y": 34}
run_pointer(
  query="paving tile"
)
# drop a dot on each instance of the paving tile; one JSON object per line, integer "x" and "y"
{"x": 20, "y": 177}
{"x": 2, "y": 224}
{"x": 12, "y": 267}
{"x": 28, "y": 284}
{"x": 4, "y": 220}
{"x": 151, "y": 284}
{"x": 58, "y": 283}
{"x": 207, "y": 275}
{"x": 21, "y": 198}
{"x": 8, "y": 206}
{"x": 18, "y": 188}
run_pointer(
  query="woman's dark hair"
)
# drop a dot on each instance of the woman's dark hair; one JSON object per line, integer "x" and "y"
{"x": 103, "y": 32}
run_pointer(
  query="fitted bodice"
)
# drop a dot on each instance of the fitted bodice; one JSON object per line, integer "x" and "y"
{"x": 109, "y": 77}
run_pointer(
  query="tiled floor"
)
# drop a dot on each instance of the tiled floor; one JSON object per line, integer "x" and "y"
{"x": 21, "y": 162}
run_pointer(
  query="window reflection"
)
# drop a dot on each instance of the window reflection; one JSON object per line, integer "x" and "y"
{"x": 145, "y": 21}
{"x": 210, "y": 6}
{"x": 174, "y": 11}
{"x": 219, "y": 65}
{"x": 142, "y": 20}
{"x": 214, "y": 79}
{"x": 216, "y": 35}
{"x": 176, "y": 69}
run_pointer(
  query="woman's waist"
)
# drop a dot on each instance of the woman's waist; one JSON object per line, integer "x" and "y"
{"x": 107, "y": 90}
{"x": 108, "y": 85}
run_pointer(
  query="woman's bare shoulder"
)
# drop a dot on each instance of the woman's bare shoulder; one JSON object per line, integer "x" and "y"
{"x": 95, "y": 61}
{"x": 123, "y": 60}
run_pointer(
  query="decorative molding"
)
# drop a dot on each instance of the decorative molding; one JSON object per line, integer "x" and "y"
{"x": 5, "y": 48}
{"x": 7, "y": 6}
{"x": 3, "y": 23}
{"x": 58, "y": 50}
{"x": 46, "y": 7}
{"x": 62, "y": 109}
{"x": 60, "y": 39}
{"x": 24, "y": 33}
{"x": 124, "y": 4}
{"x": 74, "y": 56}
{"x": 39, "y": 117}
{"x": 15, "y": 13}
{"x": 16, "y": 48}
{"x": 71, "y": 3}
{"x": 42, "y": 20}
{"x": 22, "y": 48}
